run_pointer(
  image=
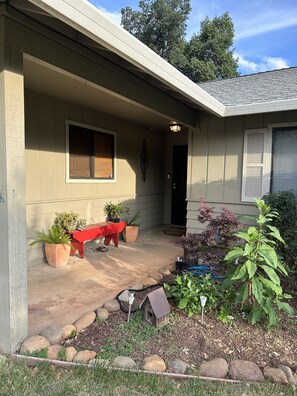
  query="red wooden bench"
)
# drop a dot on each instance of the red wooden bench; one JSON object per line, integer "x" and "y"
{"x": 109, "y": 230}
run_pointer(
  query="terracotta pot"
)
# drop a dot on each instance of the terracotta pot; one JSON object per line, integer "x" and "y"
{"x": 57, "y": 255}
{"x": 130, "y": 234}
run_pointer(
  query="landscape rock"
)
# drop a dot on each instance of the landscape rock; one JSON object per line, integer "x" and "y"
{"x": 53, "y": 333}
{"x": 124, "y": 296}
{"x": 149, "y": 282}
{"x": 102, "y": 313}
{"x": 154, "y": 363}
{"x": 245, "y": 370}
{"x": 155, "y": 275}
{"x": 286, "y": 369}
{"x": 69, "y": 331}
{"x": 124, "y": 362}
{"x": 34, "y": 343}
{"x": 85, "y": 321}
{"x": 165, "y": 271}
{"x": 136, "y": 286}
{"x": 275, "y": 375}
{"x": 70, "y": 352}
{"x": 53, "y": 351}
{"x": 216, "y": 368}
{"x": 112, "y": 306}
{"x": 84, "y": 356}
{"x": 178, "y": 366}
{"x": 293, "y": 380}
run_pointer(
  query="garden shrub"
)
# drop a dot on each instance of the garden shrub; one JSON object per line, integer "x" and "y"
{"x": 256, "y": 269}
{"x": 285, "y": 203}
{"x": 188, "y": 288}
{"x": 211, "y": 244}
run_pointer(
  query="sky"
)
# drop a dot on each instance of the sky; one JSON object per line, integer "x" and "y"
{"x": 265, "y": 30}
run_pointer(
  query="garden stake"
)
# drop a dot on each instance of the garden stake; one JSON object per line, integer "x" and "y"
{"x": 203, "y": 300}
{"x": 130, "y": 300}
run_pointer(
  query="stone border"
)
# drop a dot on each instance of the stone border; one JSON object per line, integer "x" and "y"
{"x": 216, "y": 369}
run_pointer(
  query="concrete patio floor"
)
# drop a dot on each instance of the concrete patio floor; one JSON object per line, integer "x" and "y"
{"x": 61, "y": 295}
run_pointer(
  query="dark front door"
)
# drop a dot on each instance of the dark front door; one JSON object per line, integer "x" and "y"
{"x": 179, "y": 185}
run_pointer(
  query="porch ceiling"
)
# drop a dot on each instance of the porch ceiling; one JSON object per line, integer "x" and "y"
{"x": 43, "y": 78}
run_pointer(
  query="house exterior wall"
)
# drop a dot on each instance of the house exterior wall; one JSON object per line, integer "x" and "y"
{"x": 46, "y": 186}
{"x": 215, "y": 161}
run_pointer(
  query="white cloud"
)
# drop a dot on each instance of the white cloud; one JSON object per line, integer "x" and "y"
{"x": 264, "y": 64}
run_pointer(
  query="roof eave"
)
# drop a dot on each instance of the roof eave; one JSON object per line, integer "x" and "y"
{"x": 266, "y": 107}
{"x": 88, "y": 20}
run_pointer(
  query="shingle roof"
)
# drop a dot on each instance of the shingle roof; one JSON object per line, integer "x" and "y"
{"x": 255, "y": 88}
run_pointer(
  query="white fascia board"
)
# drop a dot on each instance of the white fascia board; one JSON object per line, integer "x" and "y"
{"x": 87, "y": 19}
{"x": 266, "y": 107}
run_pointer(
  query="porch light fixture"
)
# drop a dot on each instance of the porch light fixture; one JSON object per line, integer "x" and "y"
{"x": 175, "y": 127}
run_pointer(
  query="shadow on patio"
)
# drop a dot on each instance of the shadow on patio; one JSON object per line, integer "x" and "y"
{"x": 61, "y": 295}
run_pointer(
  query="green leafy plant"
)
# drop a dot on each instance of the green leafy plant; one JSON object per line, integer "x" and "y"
{"x": 67, "y": 222}
{"x": 54, "y": 236}
{"x": 187, "y": 290}
{"x": 132, "y": 221}
{"x": 285, "y": 203}
{"x": 256, "y": 269}
{"x": 114, "y": 211}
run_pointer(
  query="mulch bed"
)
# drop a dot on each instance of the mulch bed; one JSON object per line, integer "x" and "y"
{"x": 188, "y": 339}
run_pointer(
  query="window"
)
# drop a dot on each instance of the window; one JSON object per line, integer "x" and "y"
{"x": 269, "y": 161}
{"x": 90, "y": 153}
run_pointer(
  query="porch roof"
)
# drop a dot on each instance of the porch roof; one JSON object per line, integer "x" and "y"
{"x": 84, "y": 23}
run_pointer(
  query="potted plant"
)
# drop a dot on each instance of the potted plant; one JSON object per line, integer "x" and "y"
{"x": 114, "y": 211}
{"x": 67, "y": 222}
{"x": 130, "y": 232}
{"x": 57, "y": 246}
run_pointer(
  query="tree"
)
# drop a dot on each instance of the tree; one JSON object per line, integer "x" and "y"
{"x": 209, "y": 53}
{"x": 161, "y": 25}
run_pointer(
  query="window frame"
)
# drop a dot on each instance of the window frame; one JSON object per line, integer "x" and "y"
{"x": 267, "y": 157}
{"x": 68, "y": 123}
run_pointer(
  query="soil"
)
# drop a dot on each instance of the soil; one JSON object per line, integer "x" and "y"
{"x": 188, "y": 339}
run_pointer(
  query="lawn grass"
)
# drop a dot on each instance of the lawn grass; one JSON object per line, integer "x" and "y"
{"x": 17, "y": 379}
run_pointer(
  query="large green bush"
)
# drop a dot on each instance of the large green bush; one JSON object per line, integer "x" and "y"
{"x": 285, "y": 203}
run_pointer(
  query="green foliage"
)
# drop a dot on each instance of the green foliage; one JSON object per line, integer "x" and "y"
{"x": 132, "y": 221}
{"x": 41, "y": 353}
{"x": 161, "y": 25}
{"x": 187, "y": 290}
{"x": 209, "y": 53}
{"x": 55, "y": 236}
{"x": 18, "y": 379}
{"x": 256, "y": 275}
{"x": 285, "y": 203}
{"x": 62, "y": 354}
{"x": 112, "y": 210}
{"x": 67, "y": 222}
